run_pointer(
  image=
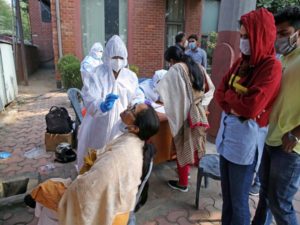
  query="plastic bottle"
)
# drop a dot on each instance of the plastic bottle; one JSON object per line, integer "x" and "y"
{"x": 4, "y": 155}
{"x": 35, "y": 152}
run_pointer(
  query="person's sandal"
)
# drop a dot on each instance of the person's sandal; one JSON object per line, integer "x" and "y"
{"x": 254, "y": 190}
{"x": 174, "y": 185}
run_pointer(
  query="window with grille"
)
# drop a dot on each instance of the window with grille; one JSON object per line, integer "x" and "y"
{"x": 45, "y": 11}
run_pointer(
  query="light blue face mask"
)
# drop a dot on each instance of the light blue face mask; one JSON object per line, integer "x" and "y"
{"x": 123, "y": 127}
{"x": 192, "y": 45}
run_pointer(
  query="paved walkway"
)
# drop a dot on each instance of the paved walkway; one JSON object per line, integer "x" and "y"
{"x": 22, "y": 128}
{"x": 26, "y": 132}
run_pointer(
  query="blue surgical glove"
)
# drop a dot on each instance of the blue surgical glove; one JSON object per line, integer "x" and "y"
{"x": 108, "y": 104}
{"x": 111, "y": 97}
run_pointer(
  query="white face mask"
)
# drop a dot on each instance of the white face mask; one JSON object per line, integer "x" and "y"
{"x": 117, "y": 64}
{"x": 97, "y": 55}
{"x": 245, "y": 46}
{"x": 286, "y": 45}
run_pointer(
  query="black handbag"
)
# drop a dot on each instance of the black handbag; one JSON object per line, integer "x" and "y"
{"x": 58, "y": 121}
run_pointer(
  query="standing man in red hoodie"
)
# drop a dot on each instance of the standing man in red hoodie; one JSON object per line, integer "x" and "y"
{"x": 246, "y": 95}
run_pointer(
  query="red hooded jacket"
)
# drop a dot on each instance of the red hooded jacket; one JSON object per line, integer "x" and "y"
{"x": 264, "y": 82}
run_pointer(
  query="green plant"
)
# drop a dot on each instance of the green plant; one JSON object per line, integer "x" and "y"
{"x": 275, "y": 5}
{"x": 69, "y": 68}
{"x": 5, "y": 18}
{"x": 211, "y": 45}
{"x": 135, "y": 69}
{"x": 66, "y": 60}
{"x": 24, "y": 6}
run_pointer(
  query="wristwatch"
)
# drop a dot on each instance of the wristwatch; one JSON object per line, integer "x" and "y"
{"x": 293, "y": 137}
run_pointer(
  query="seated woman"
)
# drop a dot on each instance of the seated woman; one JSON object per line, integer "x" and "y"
{"x": 109, "y": 188}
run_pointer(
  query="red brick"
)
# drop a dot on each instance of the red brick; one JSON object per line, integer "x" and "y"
{"x": 41, "y": 31}
{"x": 27, "y": 162}
{"x": 15, "y": 159}
{"x": 150, "y": 223}
{"x": 146, "y": 31}
{"x": 13, "y": 167}
{"x": 41, "y": 162}
{"x": 184, "y": 221}
{"x": 28, "y": 168}
{"x": 174, "y": 215}
{"x": 163, "y": 221}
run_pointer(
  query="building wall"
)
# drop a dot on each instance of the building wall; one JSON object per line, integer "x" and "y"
{"x": 41, "y": 32}
{"x": 226, "y": 52}
{"x": 70, "y": 29}
{"x": 146, "y": 34}
{"x": 193, "y": 17}
{"x": 146, "y": 30}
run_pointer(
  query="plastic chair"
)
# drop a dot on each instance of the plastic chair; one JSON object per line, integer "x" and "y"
{"x": 121, "y": 219}
{"x": 75, "y": 97}
{"x": 143, "y": 79}
{"x": 209, "y": 167}
{"x": 132, "y": 219}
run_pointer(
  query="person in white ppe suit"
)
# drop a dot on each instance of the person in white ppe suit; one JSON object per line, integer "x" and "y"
{"x": 106, "y": 94}
{"x": 148, "y": 86}
{"x": 91, "y": 61}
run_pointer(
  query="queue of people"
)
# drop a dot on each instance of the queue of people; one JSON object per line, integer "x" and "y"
{"x": 260, "y": 125}
{"x": 259, "y": 129}
{"x": 246, "y": 96}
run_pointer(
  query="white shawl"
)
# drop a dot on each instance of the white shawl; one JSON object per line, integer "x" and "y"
{"x": 108, "y": 188}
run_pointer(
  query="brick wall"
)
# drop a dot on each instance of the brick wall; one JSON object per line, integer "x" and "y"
{"x": 146, "y": 30}
{"x": 41, "y": 32}
{"x": 146, "y": 34}
{"x": 193, "y": 17}
{"x": 70, "y": 29}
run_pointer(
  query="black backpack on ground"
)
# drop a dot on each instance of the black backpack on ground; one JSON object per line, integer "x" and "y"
{"x": 58, "y": 121}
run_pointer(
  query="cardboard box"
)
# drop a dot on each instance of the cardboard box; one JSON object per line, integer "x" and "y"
{"x": 52, "y": 140}
{"x": 165, "y": 149}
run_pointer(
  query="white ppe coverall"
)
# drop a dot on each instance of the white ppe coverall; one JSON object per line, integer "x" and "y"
{"x": 98, "y": 128}
{"x": 148, "y": 86}
{"x": 91, "y": 61}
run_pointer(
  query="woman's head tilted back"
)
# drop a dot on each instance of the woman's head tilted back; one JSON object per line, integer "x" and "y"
{"x": 148, "y": 123}
{"x": 175, "y": 55}
{"x": 142, "y": 120}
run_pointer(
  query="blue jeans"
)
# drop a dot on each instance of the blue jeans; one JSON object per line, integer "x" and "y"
{"x": 236, "y": 182}
{"x": 280, "y": 178}
{"x": 256, "y": 181}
